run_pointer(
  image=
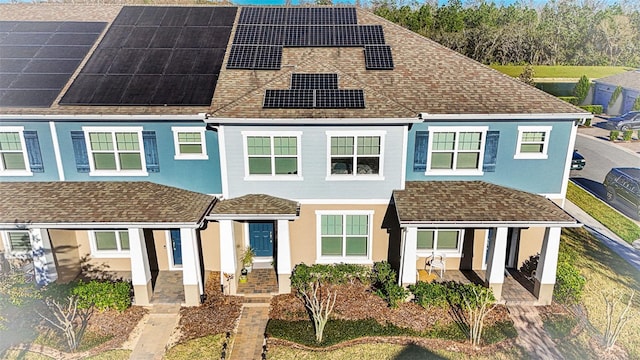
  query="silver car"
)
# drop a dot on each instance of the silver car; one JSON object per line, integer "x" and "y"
{"x": 628, "y": 121}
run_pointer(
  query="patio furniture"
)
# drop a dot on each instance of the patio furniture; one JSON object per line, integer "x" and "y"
{"x": 438, "y": 262}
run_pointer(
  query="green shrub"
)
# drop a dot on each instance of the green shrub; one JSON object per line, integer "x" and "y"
{"x": 587, "y": 122}
{"x": 594, "y": 109}
{"x": 385, "y": 283}
{"x": 303, "y": 274}
{"x": 430, "y": 294}
{"x": 559, "y": 326}
{"x": 570, "y": 99}
{"x": 613, "y": 135}
{"x": 498, "y": 332}
{"x": 627, "y": 134}
{"x": 615, "y": 95}
{"x": 457, "y": 292}
{"x": 636, "y": 104}
{"x": 103, "y": 295}
{"x": 582, "y": 89}
{"x": 569, "y": 284}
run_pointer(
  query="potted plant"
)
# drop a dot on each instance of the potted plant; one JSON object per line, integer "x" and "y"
{"x": 247, "y": 258}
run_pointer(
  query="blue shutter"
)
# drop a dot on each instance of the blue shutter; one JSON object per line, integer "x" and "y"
{"x": 80, "y": 151}
{"x": 151, "y": 151}
{"x": 420, "y": 151}
{"x": 33, "y": 151}
{"x": 491, "y": 151}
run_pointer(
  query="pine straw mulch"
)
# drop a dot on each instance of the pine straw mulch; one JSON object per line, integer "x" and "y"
{"x": 218, "y": 314}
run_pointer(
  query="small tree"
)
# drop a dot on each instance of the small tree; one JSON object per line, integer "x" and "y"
{"x": 319, "y": 301}
{"x": 582, "y": 88}
{"x": 68, "y": 318}
{"x": 527, "y": 75}
{"x": 475, "y": 302}
{"x": 385, "y": 282}
{"x": 614, "y": 327}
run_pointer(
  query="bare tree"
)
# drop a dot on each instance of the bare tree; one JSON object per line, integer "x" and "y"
{"x": 614, "y": 326}
{"x": 477, "y": 302}
{"x": 320, "y": 302}
{"x": 70, "y": 320}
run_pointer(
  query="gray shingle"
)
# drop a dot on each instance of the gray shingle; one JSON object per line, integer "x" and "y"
{"x": 255, "y": 204}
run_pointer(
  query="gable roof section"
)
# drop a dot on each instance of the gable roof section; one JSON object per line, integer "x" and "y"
{"x": 474, "y": 203}
{"x": 628, "y": 80}
{"x": 100, "y": 202}
{"x": 254, "y": 205}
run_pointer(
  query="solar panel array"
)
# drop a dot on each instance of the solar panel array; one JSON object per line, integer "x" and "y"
{"x": 378, "y": 57}
{"x": 261, "y": 28}
{"x": 318, "y": 91}
{"x": 37, "y": 58}
{"x": 154, "y": 55}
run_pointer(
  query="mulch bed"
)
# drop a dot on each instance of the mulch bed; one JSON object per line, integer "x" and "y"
{"x": 116, "y": 324}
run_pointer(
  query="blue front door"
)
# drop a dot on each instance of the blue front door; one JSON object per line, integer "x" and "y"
{"x": 176, "y": 247}
{"x": 261, "y": 238}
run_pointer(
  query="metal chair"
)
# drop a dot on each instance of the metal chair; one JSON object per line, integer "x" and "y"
{"x": 437, "y": 261}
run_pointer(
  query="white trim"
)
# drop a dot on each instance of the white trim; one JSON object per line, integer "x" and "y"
{"x": 544, "y": 116}
{"x": 258, "y": 217}
{"x": 271, "y": 135}
{"x": 223, "y": 162}
{"x": 343, "y": 201}
{"x": 485, "y": 247}
{"x": 344, "y": 259}
{"x": 246, "y": 235}
{"x": 101, "y": 254}
{"x": 113, "y": 130}
{"x": 354, "y": 176}
{"x": 169, "y": 247}
{"x": 8, "y": 250}
{"x": 176, "y": 143}
{"x": 56, "y": 150}
{"x": 457, "y": 130}
{"x": 567, "y": 165}
{"x": 25, "y": 156}
{"x": 449, "y": 253}
{"x": 403, "y": 169}
{"x": 545, "y": 144}
{"x": 314, "y": 121}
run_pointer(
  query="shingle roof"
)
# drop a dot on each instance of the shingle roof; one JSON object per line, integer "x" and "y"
{"x": 255, "y": 204}
{"x": 473, "y": 202}
{"x": 628, "y": 79}
{"x": 99, "y": 202}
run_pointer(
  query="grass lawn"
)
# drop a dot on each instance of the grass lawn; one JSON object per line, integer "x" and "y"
{"x": 573, "y": 72}
{"x": 613, "y": 220}
{"x": 23, "y": 355}
{"x": 208, "y": 347}
{"x": 605, "y": 272}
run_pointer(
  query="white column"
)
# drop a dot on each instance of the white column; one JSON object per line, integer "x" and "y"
{"x": 547, "y": 266}
{"x": 283, "y": 244}
{"x": 140, "y": 271}
{"x": 495, "y": 263}
{"x": 409, "y": 256}
{"x": 44, "y": 265}
{"x": 227, "y": 255}
{"x": 191, "y": 274}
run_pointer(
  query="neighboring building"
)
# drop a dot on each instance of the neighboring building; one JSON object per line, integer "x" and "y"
{"x": 605, "y": 88}
{"x": 328, "y": 135}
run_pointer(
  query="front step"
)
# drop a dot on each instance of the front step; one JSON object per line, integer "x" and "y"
{"x": 256, "y": 299}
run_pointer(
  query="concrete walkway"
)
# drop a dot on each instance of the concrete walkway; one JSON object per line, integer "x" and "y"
{"x": 161, "y": 323}
{"x": 531, "y": 334}
{"x": 249, "y": 337}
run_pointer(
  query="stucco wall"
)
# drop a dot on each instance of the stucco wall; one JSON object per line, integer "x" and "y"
{"x": 210, "y": 239}
{"x": 530, "y": 243}
{"x": 65, "y": 249}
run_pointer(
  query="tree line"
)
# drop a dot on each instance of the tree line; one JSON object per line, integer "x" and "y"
{"x": 560, "y": 32}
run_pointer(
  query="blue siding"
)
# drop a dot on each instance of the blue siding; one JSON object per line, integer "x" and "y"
{"x": 50, "y": 171}
{"x": 544, "y": 176}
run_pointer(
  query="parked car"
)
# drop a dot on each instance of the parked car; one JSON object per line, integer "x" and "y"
{"x": 624, "y": 184}
{"x": 577, "y": 162}
{"x": 628, "y": 121}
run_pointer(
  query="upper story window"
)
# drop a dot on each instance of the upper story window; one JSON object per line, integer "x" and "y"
{"x": 456, "y": 150}
{"x": 13, "y": 152}
{"x": 439, "y": 241}
{"x": 344, "y": 236}
{"x": 269, "y": 155}
{"x": 109, "y": 243}
{"x": 533, "y": 142}
{"x": 115, "y": 151}
{"x": 16, "y": 243}
{"x": 190, "y": 143}
{"x": 355, "y": 155}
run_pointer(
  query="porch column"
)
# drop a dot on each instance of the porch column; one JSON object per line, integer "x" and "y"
{"x": 191, "y": 274}
{"x": 495, "y": 263}
{"x": 140, "y": 271}
{"x": 283, "y": 266}
{"x": 228, "y": 259}
{"x": 547, "y": 265}
{"x": 43, "y": 263}
{"x": 409, "y": 256}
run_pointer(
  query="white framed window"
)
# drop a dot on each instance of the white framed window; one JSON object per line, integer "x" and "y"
{"x": 440, "y": 241}
{"x": 271, "y": 155}
{"x": 355, "y": 155}
{"x": 115, "y": 151}
{"x": 16, "y": 243}
{"x": 189, "y": 143}
{"x": 344, "y": 236}
{"x": 109, "y": 243}
{"x": 456, "y": 150}
{"x": 13, "y": 152}
{"x": 533, "y": 142}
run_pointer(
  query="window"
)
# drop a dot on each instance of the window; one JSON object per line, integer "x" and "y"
{"x": 13, "y": 153}
{"x": 16, "y": 242}
{"x": 344, "y": 236}
{"x": 533, "y": 142}
{"x": 109, "y": 243}
{"x": 456, "y": 150}
{"x": 189, "y": 143}
{"x": 439, "y": 240}
{"x": 271, "y": 154}
{"x": 352, "y": 155}
{"x": 115, "y": 151}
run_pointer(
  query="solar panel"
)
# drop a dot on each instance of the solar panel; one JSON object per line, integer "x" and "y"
{"x": 275, "y": 16}
{"x": 371, "y": 34}
{"x": 347, "y": 35}
{"x": 345, "y": 16}
{"x": 339, "y": 99}
{"x": 378, "y": 57}
{"x": 37, "y": 58}
{"x": 291, "y": 99}
{"x": 251, "y": 15}
{"x": 242, "y": 57}
{"x": 296, "y": 36}
{"x": 320, "y": 36}
{"x": 268, "y": 57}
{"x": 148, "y": 43}
{"x": 314, "y": 81}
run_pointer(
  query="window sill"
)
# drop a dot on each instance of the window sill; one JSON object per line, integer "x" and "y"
{"x": 474, "y": 172}
{"x": 447, "y": 253}
{"x": 15, "y": 173}
{"x": 110, "y": 255}
{"x": 346, "y": 260}
{"x": 531, "y": 156}
{"x": 191, "y": 157}
{"x": 273, "y": 178}
{"x": 118, "y": 173}
{"x": 349, "y": 177}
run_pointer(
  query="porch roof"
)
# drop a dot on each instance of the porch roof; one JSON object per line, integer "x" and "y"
{"x": 254, "y": 205}
{"x": 101, "y": 203}
{"x": 474, "y": 203}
